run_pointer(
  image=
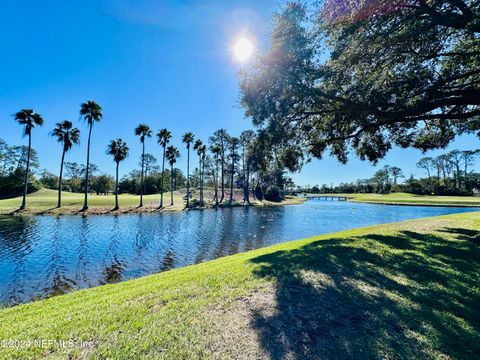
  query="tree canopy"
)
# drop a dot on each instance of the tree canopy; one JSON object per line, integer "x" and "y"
{"x": 367, "y": 75}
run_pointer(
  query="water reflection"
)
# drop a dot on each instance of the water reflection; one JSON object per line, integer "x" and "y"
{"x": 46, "y": 255}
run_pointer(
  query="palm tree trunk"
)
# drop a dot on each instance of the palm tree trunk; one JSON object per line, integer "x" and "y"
{"x": 188, "y": 177}
{"x": 200, "y": 179}
{"x": 163, "y": 174}
{"x": 232, "y": 170}
{"x": 223, "y": 175}
{"x": 248, "y": 184}
{"x": 59, "y": 203}
{"x": 216, "y": 182}
{"x": 85, "y": 202}
{"x": 171, "y": 184}
{"x": 141, "y": 180}
{"x": 116, "y": 186}
{"x": 458, "y": 175}
{"x": 25, "y": 184}
{"x": 201, "y": 182}
{"x": 245, "y": 187}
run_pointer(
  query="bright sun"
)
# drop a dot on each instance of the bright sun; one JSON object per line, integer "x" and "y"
{"x": 243, "y": 49}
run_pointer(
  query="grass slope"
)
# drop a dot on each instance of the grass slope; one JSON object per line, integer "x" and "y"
{"x": 412, "y": 199}
{"x": 45, "y": 201}
{"x": 404, "y": 290}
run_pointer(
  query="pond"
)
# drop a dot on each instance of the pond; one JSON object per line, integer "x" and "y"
{"x": 41, "y": 256}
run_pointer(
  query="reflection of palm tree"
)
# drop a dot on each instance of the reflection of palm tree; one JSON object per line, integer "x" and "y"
{"x": 59, "y": 285}
{"x": 168, "y": 261}
{"x": 205, "y": 234}
{"x": 172, "y": 154}
{"x": 188, "y": 139}
{"x": 66, "y": 135}
{"x": 91, "y": 112}
{"x": 142, "y": 131}
{"x": 82, "y": 248}
{"x": 28, "y": 119}
{"x": 119, "y": 150}
{"x": 164, "y": 137}
{"x": 113, "y": 272}
{"x": 16, "y": 239}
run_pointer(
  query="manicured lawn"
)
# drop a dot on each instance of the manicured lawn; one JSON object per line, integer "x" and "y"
{"x": 45, "y": 201}
{"x": 404, "y": 198}
{"x": 404, "y": 290}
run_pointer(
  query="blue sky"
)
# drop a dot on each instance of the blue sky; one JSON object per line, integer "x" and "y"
{"x": 165, "y": 63}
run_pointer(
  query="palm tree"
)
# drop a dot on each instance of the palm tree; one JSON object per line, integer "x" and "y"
{"x": 221, "y": 138}
{"x": 188, "y": 139}
{"x": 216, "y": 150}
{"x": 197, "y": 146}
{"x": 172, "y": 154}
{"x": 142, "y": 131}
{"x": 28, "y": 119}
{"x": 119, "y": 150}
{"x": 233, "y": 155}
{"x": 66, "y": 135}
{"x": 203, "y": 154}
{"x": 246, "y": 139}
{"x": 91, "y": 112}
{"x": 163, "y": 137}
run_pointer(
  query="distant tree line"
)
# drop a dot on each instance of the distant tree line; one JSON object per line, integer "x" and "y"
{"x": 13, "y": 161}
{"x": 448, "y": 174}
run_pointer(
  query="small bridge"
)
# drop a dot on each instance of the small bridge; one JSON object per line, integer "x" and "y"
{"x": 326, "y": 197}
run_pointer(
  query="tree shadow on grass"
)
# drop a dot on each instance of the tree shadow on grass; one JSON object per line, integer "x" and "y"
{"x": 409, "y": 295}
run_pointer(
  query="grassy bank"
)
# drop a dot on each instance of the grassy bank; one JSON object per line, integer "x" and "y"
{"x": 404, "y": 290}
{"x": 412, "y": 199}
{"x": 45, "y": 202}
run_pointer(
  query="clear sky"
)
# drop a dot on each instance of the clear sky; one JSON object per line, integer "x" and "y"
{"x": 164, "y": 63}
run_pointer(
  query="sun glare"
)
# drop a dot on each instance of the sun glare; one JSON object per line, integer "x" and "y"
{"x": 243, "y": 49}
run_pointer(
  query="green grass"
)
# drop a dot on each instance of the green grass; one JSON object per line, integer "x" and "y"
{"x": 45, "y": 201}
{"x": 404, "y": 198}
{"x": 404, "y": 290}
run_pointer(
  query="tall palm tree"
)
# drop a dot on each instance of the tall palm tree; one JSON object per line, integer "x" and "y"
{"x": 221, "y": 138}
{"x": 203, "y": 154}
{"x": 142, "y": 131}
{"x": 91, "y": 112}
{"x": 119, "y": 150}
{"x": 197, "y": 146}
{"x": 163, "y": 137}
{"x": 172, "y": 154}
{"x": 246, "y": 140}
{"x": 68, "y": 136}
{"x": 188, "y": 139}
{"x": 233, "y": 155}
{"x": 216, "y": 150}
{"x": 28, "y": 119}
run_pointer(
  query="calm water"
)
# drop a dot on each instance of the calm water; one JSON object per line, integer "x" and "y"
{"x": 48, "y": 255}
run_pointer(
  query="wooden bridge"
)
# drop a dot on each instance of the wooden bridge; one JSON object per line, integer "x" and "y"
{"x": 326, "y": 197}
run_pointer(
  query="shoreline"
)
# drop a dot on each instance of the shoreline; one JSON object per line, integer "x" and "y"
{"x": 149, "y": 209}
{"x": 406, "y": 199}
{"x": 412, "y": 204}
